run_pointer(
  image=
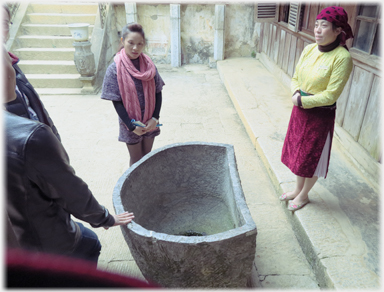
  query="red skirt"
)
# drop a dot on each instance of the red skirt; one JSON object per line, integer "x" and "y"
{"x": 305, "y": 139}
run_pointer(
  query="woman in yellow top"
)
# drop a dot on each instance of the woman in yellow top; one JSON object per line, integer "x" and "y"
{"x": 321, "y": 74}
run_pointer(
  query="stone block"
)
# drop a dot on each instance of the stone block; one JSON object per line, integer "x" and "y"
{"x": 219, "y": 17}
{"x": 212, "y": 63}
{"x": 175, "y": 10}
{"x": 218, "y": 46}
{"x": 175, "y": 35}
{"x": 88, "y": 85}
{"x": 219, "y": 42}
{"x": 130, "y": 12}
{"x": 188, "y": 189}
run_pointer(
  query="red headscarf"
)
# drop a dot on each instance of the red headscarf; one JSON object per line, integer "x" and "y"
{"x": 338, "y": 17}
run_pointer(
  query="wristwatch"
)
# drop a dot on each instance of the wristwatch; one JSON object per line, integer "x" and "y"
{"x": 157, "y": 121}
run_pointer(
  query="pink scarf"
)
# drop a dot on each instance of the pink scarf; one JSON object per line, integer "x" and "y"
{"x": 127, "y": 87}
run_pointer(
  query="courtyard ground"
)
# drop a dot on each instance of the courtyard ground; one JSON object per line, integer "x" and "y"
{"x": 197, "y": 107}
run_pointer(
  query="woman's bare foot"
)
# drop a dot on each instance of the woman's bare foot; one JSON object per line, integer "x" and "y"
{"x": 288, "y": 196}
{"x": 300, "y": 200}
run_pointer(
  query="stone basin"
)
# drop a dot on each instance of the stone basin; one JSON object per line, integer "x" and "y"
{"x": 188, "y": 189}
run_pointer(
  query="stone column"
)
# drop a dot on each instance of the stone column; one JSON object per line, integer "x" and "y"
{"x": 175, "y": 35}
{"x": 219, "y": 42}
{"x": 130, "y": 12}
{"x": 85, "y": 64}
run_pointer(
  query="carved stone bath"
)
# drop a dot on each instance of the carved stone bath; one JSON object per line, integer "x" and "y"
{"x": 188, "y": 189}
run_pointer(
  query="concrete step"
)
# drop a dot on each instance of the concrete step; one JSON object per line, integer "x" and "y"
{"x": 59, "y": 18}
{"x": 41, "y": 41}
{"x": 48, "y": 29}
{"x": 62, "y": 7}
{"x": 55, "y": 80}
{"x": 66, "y": 54}
{"x": 58, "y": 91}
{"x": 48, "y": 67}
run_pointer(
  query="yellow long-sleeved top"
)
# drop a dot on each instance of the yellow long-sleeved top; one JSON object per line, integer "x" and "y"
{"x": 322, "y": 74}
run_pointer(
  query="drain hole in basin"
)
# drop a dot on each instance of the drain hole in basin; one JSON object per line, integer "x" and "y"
{"x": 192, "y": 233}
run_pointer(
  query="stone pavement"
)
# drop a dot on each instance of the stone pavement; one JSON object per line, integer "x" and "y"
{"x": 197, "y": 107}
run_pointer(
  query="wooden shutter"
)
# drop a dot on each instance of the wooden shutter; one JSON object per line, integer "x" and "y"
{"x": 294, "y": 16}
{"x": 266, "y": 12}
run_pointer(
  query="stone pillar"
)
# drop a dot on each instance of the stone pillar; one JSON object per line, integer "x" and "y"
{"x": 175, "y": 35}
{"x": 219, "y": 42}
{"x": 85, "y": 65}
{"x": 130, "y": 12}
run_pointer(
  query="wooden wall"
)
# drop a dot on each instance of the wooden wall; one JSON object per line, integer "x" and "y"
{"x": 358, "y": 108}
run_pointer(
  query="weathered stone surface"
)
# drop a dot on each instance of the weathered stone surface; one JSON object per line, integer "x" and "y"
{"x": 219, "y": 42}
{"x": 84, "y": 58}
{"x": 175, "y": 35}
{"x": 288, "y": 282}
{"x": 349, "y": 273}
{"x": 197, "y": 33}
{"x": 181, "y": 187}
{"x": 240, "y": 37}
{"x": 130, "y": 12}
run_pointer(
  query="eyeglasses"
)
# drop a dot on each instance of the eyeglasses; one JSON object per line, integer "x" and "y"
{"x": 7, "y": 25}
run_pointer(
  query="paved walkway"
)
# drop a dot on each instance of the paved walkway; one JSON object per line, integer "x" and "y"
{"x": 198, "y": 107}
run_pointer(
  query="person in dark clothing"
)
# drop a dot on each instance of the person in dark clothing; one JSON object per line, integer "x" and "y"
{"x": 38, "y": 270}
{"x": 43, "y": 191}
{"x": 27, "y": 103}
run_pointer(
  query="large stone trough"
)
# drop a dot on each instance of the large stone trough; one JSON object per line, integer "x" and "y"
{"x": 192, "y": 226}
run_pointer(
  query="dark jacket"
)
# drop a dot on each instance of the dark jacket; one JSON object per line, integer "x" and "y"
{"x": 19, "y": 106}
{"x": 43, "y": 190}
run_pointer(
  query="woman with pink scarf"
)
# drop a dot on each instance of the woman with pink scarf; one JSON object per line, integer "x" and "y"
{"x": 134, "y": 86}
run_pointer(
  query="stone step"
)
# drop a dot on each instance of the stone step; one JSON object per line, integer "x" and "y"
{"x": 47, "y": 67}
{"x": 62, "y": 7}
{"x": 44, "y": 45}
{"x": 59, "y": 18}
{"x": 42, "y": 41}
{"x": 55, "y": 80}
{"x": 48, "y": 29}
{"x": 63, "y": 54}
{"x": 58, "y": 91}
